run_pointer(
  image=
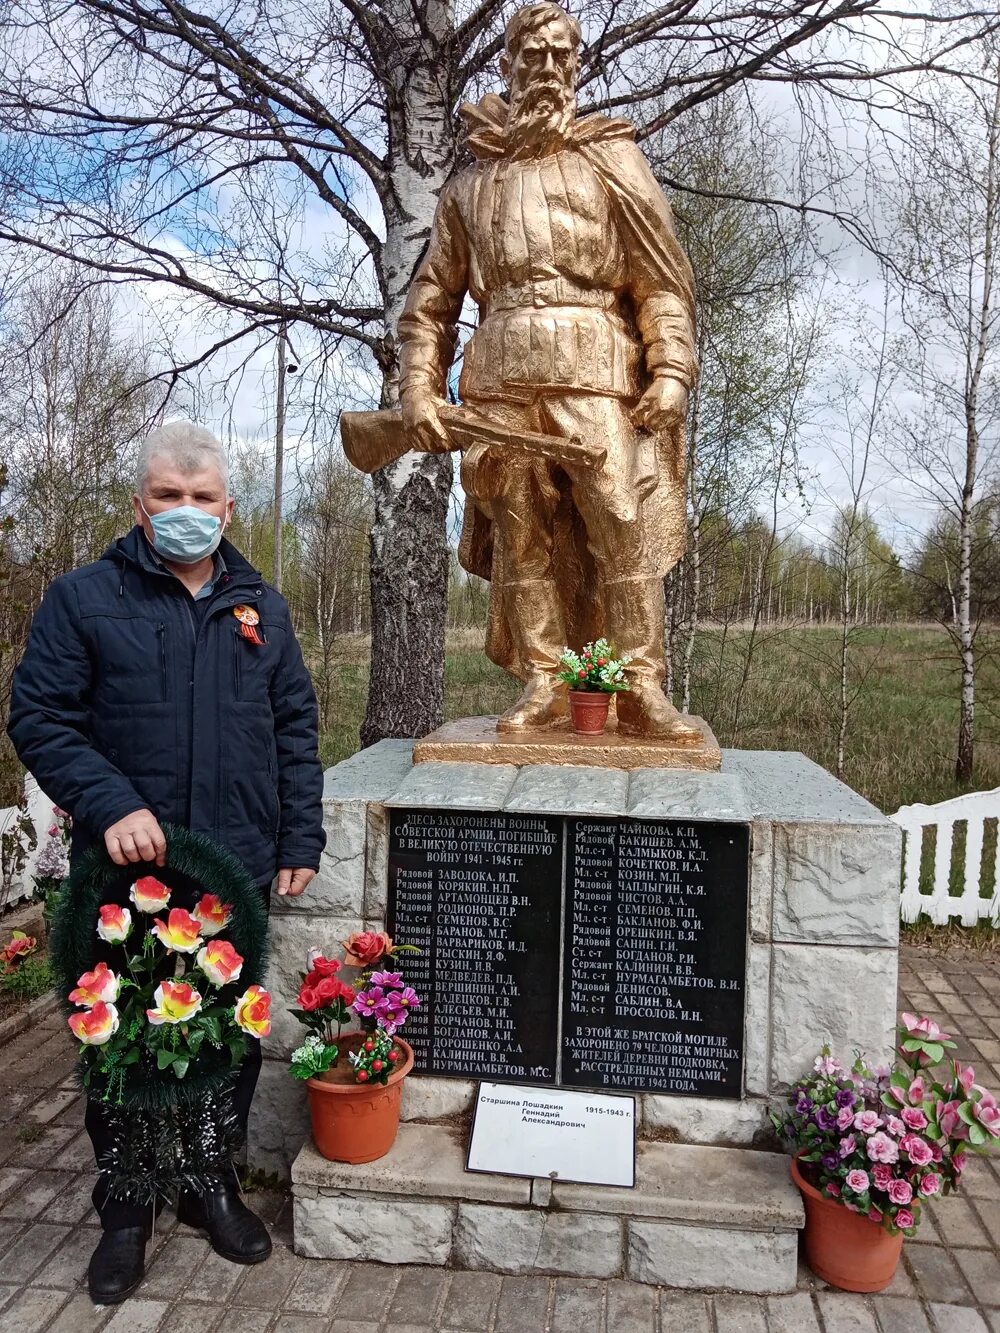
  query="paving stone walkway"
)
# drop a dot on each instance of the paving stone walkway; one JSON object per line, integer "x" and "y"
{"x": 948, "y": 1282}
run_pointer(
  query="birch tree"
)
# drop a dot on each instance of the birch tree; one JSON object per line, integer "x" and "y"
{"x": 949, "y": 228}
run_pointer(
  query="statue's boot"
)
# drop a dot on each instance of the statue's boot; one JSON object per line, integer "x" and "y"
{"x": 535, "y": 619}
{"x": 634, "y": 622}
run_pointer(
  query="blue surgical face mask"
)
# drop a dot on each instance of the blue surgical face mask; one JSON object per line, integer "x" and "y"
{"x": 185, "y": 534}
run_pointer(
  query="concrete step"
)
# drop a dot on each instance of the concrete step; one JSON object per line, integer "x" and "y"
{"x": 699, "y": 1217}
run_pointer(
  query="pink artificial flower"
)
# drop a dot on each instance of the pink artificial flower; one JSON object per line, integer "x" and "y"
{"x": 924, "y": 1029}
{"x": 874, "y": 1215}
{"x": 913, "y": 1117}
{"x": 53, "y": 830}
{"x": 848, "y": 1144}
{"x": 966, "y": 1077}
{"x": 959, "y": 1161}
{"x": 833, "y": 1189}
{"x": 951, "y": 1123}
{"x": 917, "y": 1091}
{"x": 987, "y": 1113}
{"x": 930, "y": 1184}
{"x": 900, "y": 1191}
{"x": 857, "y": 1181}
{"x": 827, "y": 1065}
{"x": 917, "y": 1149}
{"x": 882, "y": 1175}
{"x": 882, "y": 1149}
{"x": 387, "y": 980}
{"x": 895, "y": 1126}
{"x": 904, "y": 1219}
{"x": 868, "y": 1121}
{"x": 845, "y": 1117}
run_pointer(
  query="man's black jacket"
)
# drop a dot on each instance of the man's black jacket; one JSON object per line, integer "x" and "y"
{"x": 128, "y": 698}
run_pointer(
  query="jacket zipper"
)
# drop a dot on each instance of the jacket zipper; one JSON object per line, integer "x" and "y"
{"x": 162, "y": 636}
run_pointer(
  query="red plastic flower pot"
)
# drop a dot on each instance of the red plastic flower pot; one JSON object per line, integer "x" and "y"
{"x": 589, "y": 711}
{"x": 356, "y": 1122}
{"x": 842, "y": 1247}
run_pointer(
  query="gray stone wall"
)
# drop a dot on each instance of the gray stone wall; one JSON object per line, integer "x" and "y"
{"x": 824, "y": 916}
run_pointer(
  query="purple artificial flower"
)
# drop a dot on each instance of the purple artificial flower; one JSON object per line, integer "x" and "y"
{"x": 408, "y": 998}
{"x": 803, "y": 1103}
{"x": 845, "y": 1097}
{"x": 392, "y": 1015}
{"x": 830, "y": 1160}
{"x": 824, "y": 1119}
{"x": 367, "y": 1002}
{"x": 390, "y": 980}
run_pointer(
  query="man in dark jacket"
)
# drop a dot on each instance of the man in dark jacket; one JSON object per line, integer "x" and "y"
{"x": 164, "y": 683}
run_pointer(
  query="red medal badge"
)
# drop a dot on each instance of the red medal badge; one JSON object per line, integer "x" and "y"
{"x": 249, "y": 620}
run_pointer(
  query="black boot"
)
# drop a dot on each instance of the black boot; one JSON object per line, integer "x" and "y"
{"x": 235, "y": 1232}
{"x": 117, "y": 1265}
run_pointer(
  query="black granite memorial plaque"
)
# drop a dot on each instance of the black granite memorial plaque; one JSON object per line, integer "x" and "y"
{"x": 479, "y": 894}
{"x": 655, "y": 956}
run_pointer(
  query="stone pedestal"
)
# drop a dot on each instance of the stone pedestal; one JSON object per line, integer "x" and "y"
{"x": 475, "y": 740}
{"x": 698, "y": 1217}
{"x": 821, "y": 968}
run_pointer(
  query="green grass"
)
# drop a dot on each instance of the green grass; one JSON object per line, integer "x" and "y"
{"x": 903, "y": 723}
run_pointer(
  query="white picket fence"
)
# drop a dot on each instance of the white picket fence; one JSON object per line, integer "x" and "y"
{"x": 40, "y": 810}
{"x": 940, "y": 904}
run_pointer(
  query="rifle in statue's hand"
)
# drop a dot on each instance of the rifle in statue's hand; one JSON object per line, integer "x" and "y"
{"x": 372, "y": 440}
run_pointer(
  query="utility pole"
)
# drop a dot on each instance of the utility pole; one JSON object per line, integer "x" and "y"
{"x": 279, "y": 454}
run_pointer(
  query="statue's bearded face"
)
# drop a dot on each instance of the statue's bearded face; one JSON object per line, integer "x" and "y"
{"x": 542, "y": 79}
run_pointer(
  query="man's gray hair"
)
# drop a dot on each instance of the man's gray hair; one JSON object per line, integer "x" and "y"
{"x": 185, "y": 444}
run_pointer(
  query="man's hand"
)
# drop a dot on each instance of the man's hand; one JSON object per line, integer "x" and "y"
{"x": 663, "y": 407}
{"x": 422, "y": 422}
{"x": 293, "y": 882}
{"x": 137, "y": 837}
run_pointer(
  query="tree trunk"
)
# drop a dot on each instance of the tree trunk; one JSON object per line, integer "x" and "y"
{"x": 408, "y": 550}
{"x": 967, "y": 698}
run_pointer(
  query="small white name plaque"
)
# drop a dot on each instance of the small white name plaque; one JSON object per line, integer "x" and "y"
{"x": 587, "y": 1137}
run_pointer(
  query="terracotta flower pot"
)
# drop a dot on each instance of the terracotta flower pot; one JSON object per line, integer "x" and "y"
{"x": 356, "y": 1122}
{"x": 589, "y": 711}
{"x": 843, "y": 1248}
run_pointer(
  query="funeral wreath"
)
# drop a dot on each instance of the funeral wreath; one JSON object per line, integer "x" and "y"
{"x": 873, "y": 1144}
{"x": 163, "y": 1000}
{"x": 354, "y": 1081}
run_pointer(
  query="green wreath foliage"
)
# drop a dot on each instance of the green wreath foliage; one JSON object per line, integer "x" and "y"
{"x": 195, "y": 864}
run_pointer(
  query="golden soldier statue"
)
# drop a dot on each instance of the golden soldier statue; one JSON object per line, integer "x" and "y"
{"x": 574, "y": 385}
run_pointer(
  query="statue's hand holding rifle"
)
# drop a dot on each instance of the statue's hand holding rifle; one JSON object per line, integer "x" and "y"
{"x": 429, "y": 424}
{"x": 423, "y": 425}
